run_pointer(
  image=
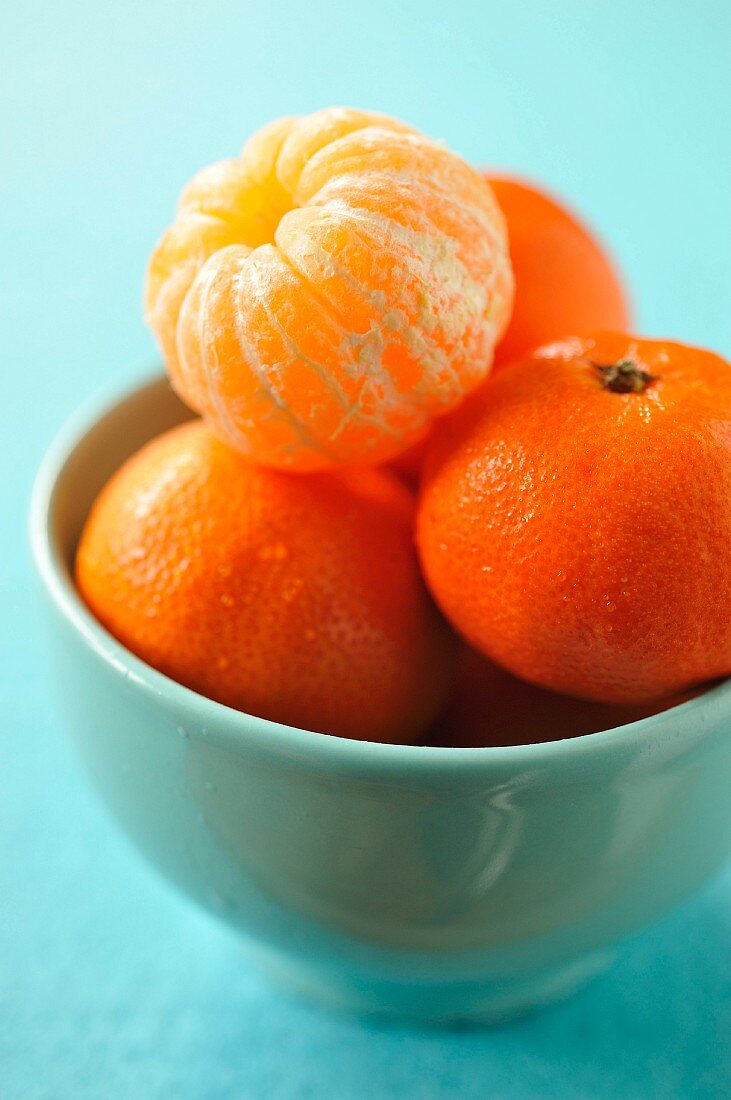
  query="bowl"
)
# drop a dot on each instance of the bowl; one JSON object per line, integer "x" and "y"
{"x": 430, "y": 883}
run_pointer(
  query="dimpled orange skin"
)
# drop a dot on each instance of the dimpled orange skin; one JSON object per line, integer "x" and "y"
{"x": 565, "y": 282}
{"x": 324, "y": 296}
{"x": 581, "y": 537}
{"x": 295, "y": 599}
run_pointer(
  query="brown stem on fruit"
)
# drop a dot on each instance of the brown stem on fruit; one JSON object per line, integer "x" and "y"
{"x": 624, "y": 376}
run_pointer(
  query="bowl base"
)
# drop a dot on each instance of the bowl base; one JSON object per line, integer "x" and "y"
{"x": 491, "y": 1002}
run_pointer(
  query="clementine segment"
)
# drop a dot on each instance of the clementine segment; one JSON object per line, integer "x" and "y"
{"x": 295, "y": 599}
{"x": 575, "y": 518}
{"x": 565, "y": 282}
{"x": 324, "y": 296}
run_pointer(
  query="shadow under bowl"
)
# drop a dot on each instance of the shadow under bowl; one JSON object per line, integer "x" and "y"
{"x": 422, "y": 882}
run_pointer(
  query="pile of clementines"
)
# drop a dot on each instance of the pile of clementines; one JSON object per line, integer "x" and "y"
{"x": 436, "y": 491}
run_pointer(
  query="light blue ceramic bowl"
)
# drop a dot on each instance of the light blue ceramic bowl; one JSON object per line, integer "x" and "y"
{"x": 425, "y": 882}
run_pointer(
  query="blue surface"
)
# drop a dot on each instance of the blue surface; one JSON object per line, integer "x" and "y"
{"x": 109, "y": 985}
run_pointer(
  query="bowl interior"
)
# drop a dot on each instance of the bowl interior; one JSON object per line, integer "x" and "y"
{"x": 80, "y": 462}
{"x": 123, "y": 427}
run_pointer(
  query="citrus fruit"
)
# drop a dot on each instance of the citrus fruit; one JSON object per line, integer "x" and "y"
{"x": 295, "y": 599}
{"x": 323, "y": 296}
{"x": 408, "y": 464}
{"x": 565, "y": 282}
{"x": 575, "y": 518}
{"x": 491, "y": 707}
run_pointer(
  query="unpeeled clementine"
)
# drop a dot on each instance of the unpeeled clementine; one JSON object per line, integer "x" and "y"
{"x": 575, "y": 518}
{"x": 297, "y": 599}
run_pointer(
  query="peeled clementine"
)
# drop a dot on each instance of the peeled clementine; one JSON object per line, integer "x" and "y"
{"x": 295, "y": 599}
{"x": 565, "y": 281}
{"x": 321, "y": 298}
{"x": 575, "y": 518}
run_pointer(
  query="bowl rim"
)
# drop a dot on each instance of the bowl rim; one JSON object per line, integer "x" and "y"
{"x": 238, "y": 728}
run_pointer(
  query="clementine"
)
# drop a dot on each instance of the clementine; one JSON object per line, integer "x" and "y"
{"x": 575, "y": 518}
{"x": 295, "y": 599}
{"x": 323, "y": 296}
{"x": 491, "y": 707}
{"x": 565, "y": 282}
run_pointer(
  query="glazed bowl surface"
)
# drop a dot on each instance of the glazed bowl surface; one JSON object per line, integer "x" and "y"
{"x": 431, "y": 883}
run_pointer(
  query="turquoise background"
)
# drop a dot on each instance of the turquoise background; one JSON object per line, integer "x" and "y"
{"x": 109, "y": 985}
